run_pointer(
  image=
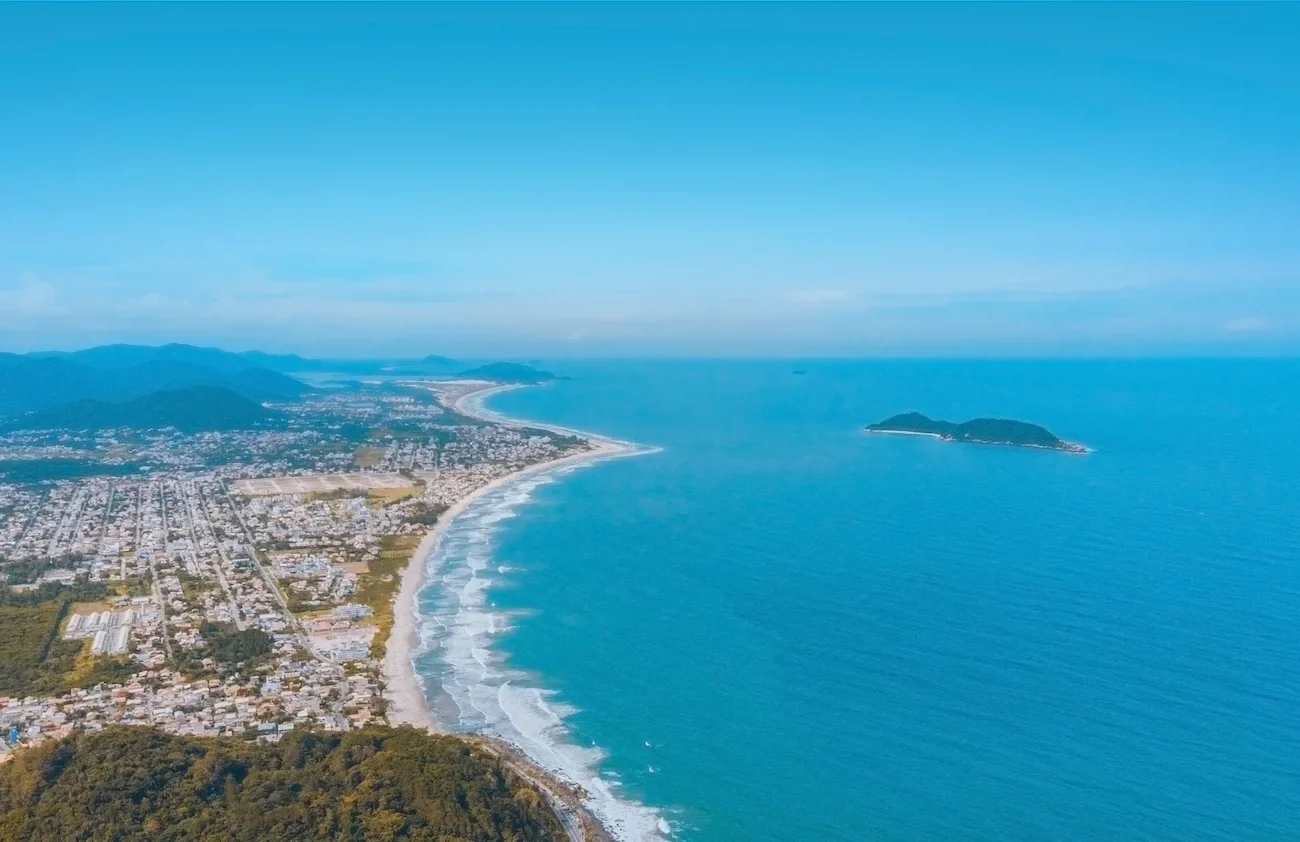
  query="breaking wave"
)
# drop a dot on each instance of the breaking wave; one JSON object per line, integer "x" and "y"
{"x": 469, "y": 684}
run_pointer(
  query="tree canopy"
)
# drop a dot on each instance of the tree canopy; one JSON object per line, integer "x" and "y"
{"x": 131, "y": 784}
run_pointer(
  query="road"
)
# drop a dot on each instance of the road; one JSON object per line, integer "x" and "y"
{"x": 301, "y": 632}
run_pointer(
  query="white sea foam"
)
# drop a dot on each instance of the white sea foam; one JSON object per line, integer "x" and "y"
{"x": 457, "y": 622}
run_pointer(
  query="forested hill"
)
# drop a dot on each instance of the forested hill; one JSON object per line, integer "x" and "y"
{"x": 30, "y": 383}
{"x": 977, "y": 431}
{"x": 189, "y": 410}
{"x": 133, "y": 784}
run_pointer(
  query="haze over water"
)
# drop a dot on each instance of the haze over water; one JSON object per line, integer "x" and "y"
{"x": 780, "y": 627}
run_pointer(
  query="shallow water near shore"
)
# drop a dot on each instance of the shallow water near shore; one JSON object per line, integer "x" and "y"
{"x": 780, "y": 628}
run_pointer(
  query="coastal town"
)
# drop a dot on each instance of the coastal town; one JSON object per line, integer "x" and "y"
{"x": 231, "y": 583}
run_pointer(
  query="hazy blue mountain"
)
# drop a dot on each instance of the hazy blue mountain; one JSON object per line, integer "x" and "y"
{"x": 280, "y": 362}
{"x": 123, "y": 356}
{"x": 258, "y": 384}
{"x": 126, "y": 356}
{"x": 192, "y": 409}
{"x": 30, "y": 382}
{"x": 261, "y": 384}
{"x": 509, "y": 373}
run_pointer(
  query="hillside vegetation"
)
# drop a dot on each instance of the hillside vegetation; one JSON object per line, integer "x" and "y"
{"x": 132, "y": 784}
{"x": 977, "y": 430}
{"x": 39, "y": 382}
{"x": 188, "y": 410}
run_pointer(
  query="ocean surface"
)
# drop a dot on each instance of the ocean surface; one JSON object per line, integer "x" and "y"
{"x": 777, "y": 627}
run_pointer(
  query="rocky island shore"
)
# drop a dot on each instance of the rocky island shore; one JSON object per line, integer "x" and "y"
{"x": 1003, "y": 431}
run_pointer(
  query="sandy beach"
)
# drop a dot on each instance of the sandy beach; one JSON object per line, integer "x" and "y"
{"x": 407, "y": 703}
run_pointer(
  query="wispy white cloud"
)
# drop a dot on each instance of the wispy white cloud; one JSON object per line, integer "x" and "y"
{"x": 817, "y": 298}
{"x": 33, "y": 299}
{"x": 1247, "y": 324}
{"x": 251, "y": 308}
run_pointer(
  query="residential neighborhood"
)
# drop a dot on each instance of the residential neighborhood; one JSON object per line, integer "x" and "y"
{"x": 242, "y": 581}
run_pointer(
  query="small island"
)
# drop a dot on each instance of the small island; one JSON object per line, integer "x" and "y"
{"x": 976, "y": 431}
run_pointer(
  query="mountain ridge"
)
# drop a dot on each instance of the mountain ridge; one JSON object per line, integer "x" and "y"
{"x": 192, "y": 409}
{"x": 37, "y": 382}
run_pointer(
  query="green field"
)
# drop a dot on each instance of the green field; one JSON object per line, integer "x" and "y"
{"x": 378, "y": 586}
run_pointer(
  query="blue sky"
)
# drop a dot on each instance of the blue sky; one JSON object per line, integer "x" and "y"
{"x": 679, "y": 179}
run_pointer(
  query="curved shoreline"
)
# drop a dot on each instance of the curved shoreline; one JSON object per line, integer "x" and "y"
{"x": 1068, "y": 446}
{"x": 407, "y": 703}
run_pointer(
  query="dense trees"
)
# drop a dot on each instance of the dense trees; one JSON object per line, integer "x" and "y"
{"x": 228, "y": 646}
{"x": 423, "y": 513}
{"x": 979, "y": 430}
{"x": 132, "y": 784}
{"x": 33, "y": 660}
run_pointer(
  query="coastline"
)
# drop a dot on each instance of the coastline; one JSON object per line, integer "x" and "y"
{"x": 1070, "y": 446}
{"x": 406, "y": 701}
{"x": 908, "y": 433}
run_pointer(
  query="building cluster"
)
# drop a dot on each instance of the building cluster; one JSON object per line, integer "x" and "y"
{"x": 307, "y": 692}
{"x": 176, "y": 541}
{"x": 203, "y": 547}
{"x": 109, "y": 631}
{"x": 375, "y": 406}
{"x": 36, "y": 456}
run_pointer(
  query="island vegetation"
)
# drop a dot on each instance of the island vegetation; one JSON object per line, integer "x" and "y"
{"x": 131, "y": 784}
{"x": 977, "y": 431}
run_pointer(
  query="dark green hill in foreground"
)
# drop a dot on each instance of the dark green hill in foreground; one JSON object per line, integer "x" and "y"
{"x": 977, "y": 431}
{"x": 195, "y": 409}
{"x": 509, "y": 373}
{"x": 133, "y": 784}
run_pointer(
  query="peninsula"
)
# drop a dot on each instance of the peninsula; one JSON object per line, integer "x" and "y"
{"x": 976, "y": 431}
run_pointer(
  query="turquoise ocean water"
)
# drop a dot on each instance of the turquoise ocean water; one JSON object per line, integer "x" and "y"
{"x": 777, "y": 627}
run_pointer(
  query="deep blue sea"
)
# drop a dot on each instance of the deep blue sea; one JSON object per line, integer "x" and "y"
{"x": 778, "y": 627}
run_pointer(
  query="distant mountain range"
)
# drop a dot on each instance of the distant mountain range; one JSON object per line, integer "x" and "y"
{"x": 123, "y": 356}
{"x": 104, "y": 385}
{"x": 126, "y": 356}
{"x": 31, "y": 382}
{"x": 190, "y": 410}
